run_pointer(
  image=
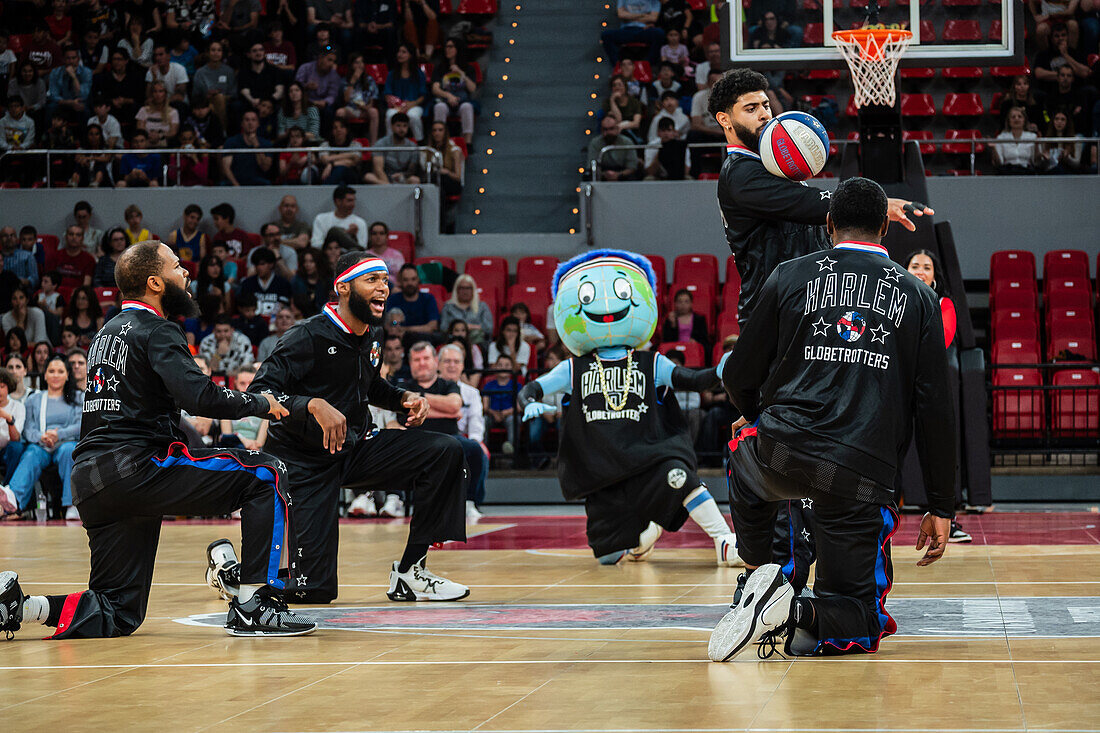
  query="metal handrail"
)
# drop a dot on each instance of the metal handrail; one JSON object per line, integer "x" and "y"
{"x": 435, "y": 159}
{"x": 972, "y": 142}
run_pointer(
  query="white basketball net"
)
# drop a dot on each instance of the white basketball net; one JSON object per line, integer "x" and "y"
{"x": 873, "y": 61}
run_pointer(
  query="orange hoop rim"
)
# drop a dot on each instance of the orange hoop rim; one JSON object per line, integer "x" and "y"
{"x": 882, "y": 35}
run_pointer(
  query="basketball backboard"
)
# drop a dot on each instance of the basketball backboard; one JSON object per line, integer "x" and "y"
{"x": 945, "y": 32}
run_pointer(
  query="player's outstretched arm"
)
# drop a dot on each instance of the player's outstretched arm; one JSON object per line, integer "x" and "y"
{"x": 899, "y": 208}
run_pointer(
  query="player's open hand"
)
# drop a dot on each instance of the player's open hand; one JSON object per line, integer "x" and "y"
{"x": 898, "y": 209}
{"x": 417, "y": 406}
{"x": 275, "y": 409}
{"x": 334, "y": 425}
{"x": 933, "y": 532}
{"x": 535, "y": 409}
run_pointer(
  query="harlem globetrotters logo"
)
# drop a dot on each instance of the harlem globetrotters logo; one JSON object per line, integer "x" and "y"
{"x": 851, "y": 326}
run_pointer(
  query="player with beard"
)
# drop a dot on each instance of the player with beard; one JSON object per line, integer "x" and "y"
{"x": 769, "y": 220}
{"x": 132, "y": 467}
{"x": 336, "y": 355}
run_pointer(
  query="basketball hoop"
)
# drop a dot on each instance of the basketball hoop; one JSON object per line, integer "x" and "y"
{"x": 872, "y": 55}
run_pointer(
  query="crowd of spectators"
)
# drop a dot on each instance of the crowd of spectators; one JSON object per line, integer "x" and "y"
{"x": 132, "y": 78}
{"x": 678, "y": 43}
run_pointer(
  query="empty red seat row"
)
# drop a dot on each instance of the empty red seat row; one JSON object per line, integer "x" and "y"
{"x": 1019, "y": 404}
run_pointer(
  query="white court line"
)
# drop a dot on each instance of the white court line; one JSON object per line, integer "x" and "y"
{"x": 703, "y": 585}
{"x": 513, "y": 662}
{"x": 752, "y": 729}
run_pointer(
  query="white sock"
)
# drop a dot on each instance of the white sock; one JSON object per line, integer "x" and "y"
{"x": 244, "y": 595}
{"x": 704, "y": 511}
{"x": 36, "y": 608}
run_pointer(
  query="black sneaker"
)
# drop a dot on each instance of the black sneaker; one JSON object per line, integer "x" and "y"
{"x": 265, "y": 614}
{"x": 958, "y": 534}
{"x": 11, "y": 603}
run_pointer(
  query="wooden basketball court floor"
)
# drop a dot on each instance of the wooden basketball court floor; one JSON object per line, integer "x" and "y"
{"x": 1001, "y": 635}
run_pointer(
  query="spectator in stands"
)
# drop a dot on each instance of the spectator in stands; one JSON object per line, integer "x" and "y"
{"x": 28, "y": 240}
{"x": 321, "y": 81}
{"x": 297, "y": 111}
{"x": 137, "y": 44}
{"x": 211, "y": 291}
{"x": 639, "y": 18}
{"x": 248, "y": 321}
{"x": 713, "y": 61}
{"x": 82, "y": 215}
{"x": 378, "y": 244}
{"x": 331, "y": 250}
{"x": 360, "y": 96}
{"x": 704, "y": 128}
{"x": 1070, "y": 96}
{"x": 216, "y": 81}
{"x": 16, "y": 345}
{"x": 351, "y": 230}
{"x": 419, "y": 309}
{"x": 719, "y": 414}
{"x": 135, "y": 229}
{"x": 184, "y": 54}
{"x": 16, "y": 364}
{"x": 48, "y": 298}
{"x": 393, "y": 366}
{"x": 41, "y": 50}
{"x": 30, "y": 88}
{"x": 376, "y": 26}
{"x": 293, "y": 232}
{"x": 270, "y": 289}
{"x": 675, "y": 52}
{"x": 450, "y": 172}
{"x": 78, "y": 365}
{"x": 208, "y": 129}
{"x": 58, "y": 407}
{"x": 1052, "y": 16}
{"x": 279, "y": 52}
{"x": 258, "y": 79}
{"x": 422, "y": 26}
{"x": 499, "y": 399}
{"x": 104, "y": 276}
{"x": 249, "y": 433}
{"x": 59, "y": 136}
{"x": 458, "y": 333}
{"x": 625, "y": 109}
{"x": 1060, "y": 158}
{"x": 72, "y": 261}
{"x": 683, "y": 323}
{"x": 286, "y": 257}
{"x": 454, "y": 86}
{"x": 669, "y": 109}
{"x": 393, "y": 166}
{"x": 122, "y": 85}
{"x": 8, "y": 59}
{"x": 70, "y": 87}
{"x": 471, "y": 427}
{"x": 1021, "y": 94}
{"x": 527, "y": 330}
{"x": 69, "y": 339}
{"x": 406, "y": 90}
{"x": 466, "y": 306}
{"x": 236, "y": 240}
{"x": 282, "y": 322}
{"x": 664, "y": 82}
{"x": 9, "y": 282}
{"x": 12, "y": 412}
{"x": 226, "y": 349}
{"x": 17, "y": 260}
{"x": 84, "y": 314}
{"x": 510, "y": 343}
{"x": 1016, "y": 155}
{"x": 247, "y": 169}
{"x": 689, "y": 400}
{"x": 157, "y": 117}
{"x": 341, "y": 167}
{"x": 172, "y": 74}
{"x": 109, "y": 125}
{"x": 25, "y": 316}
{"x": 114, "y": 240}
{"x": 60, "y": 23}
{"x": 784, "y": 34}
{"x": 926, "y": 267}
{"x": 1062, "y": 51}
{"x": 615, "y": 165}
{"x": 17, "y": 133}
{"x": 239, "y": 23}
{"x": 312, "y": 279}
{"x": 220, "y": 249}
{"x": 193, "y": 18}
{"x": 323, "y": 41}
{"x": 40, "y": 357}
{"x": 633, "y": 86}
{"x": 666, "y": 156}
{"x": 336, "y": 17}
{"x": 94, "y": 53}
{"x": 193, "y": 169}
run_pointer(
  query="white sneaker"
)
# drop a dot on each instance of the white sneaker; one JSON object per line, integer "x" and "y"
{"x": 393, "y": 507}
{"x": 472, "y": 514}
{"x": 646, "y": 541}
{"x": 725, "y": 547}
{"x": 8, "y": 503}
{"x": 363, "y": 506}
{"x": 763, "y": 610}
{"x": 420, "y": 584}
{"x": 507, "y": 448}
{"x": 72, "y": 513}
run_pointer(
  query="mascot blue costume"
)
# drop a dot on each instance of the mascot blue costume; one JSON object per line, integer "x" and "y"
{"x": 625, "y": 447}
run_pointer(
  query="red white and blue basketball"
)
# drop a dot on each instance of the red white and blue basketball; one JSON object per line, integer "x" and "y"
{"x": 794, "y": 145}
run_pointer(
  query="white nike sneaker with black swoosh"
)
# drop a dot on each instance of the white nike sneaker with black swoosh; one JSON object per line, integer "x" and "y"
{"x": 421, "y": 584}
{"x": 764, "y": 608}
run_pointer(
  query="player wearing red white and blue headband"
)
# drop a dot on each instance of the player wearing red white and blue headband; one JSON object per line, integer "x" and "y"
{"x": 363, "y": 267}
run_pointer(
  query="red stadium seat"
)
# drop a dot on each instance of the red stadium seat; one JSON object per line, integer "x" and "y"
{"x": 403, "y": 242}
{"x": 1009, "y": 351}
{"x": 9, "y": 184}
{"x": 703, "y": 299}
{"x": 707, "y": 176}
{"x": 536, "y": 270}
{"x": 448, "y": 262}
{"x": 378, "y": 72}
{"x": 732, "y": 273}
{"x": 492, "y": 300}
{"x": 490, "y": 273}
{"x": 995, "y": 31}
{"x": 1068, "y": 293}
{"x": 716, "y": 354}
{"x": 962, "y": 31}
{"x": 917, "y": 72}
{"x": 460, "y": 142}
{"x": 660, "y": 269}
{"x": 535, "y": 297}
{"x": 1015, "y": 325}
{"x": 731, "y": 296}
{"x": 962, "y": 72}
{"x": 427, "y": 67}
{"x": 925, "y": 148}
{"x": 477, "y": 7}
{"x": 1016, "y": 294}
{"x": 1007, "y": 72}
{"x": 927, "y": 31}
{"x": 476, "y": 68}
{"x": 958, "y": 3}
{"x": 822, "y": 75}
{"x": 917, "y": 105}
{"x": 694, "y": 354}
{"x": 850, "y": 109}
{"x": 438, "y": 292}
{"x": 643, "y": 72}
{"x": 1012, "y": 263}
{"x": 1058, "y": 316}
{"x": 1065, "y": 263}
{"x": 814, "y": 100}
{"x": 1018, "y": 410}
{"x": 963, "y": 105}
{"x": 727, "y": 324}
{"x": 700, "y": 268}
{"x": 1075, "y": 410}
{"x": 813, "y": 34}
{"x": 962, "y": 148}
{"x": 191, "y": 267}
{"x": 106, "y": 296}
{"x": 49, "y": 242}
{"x": 1075, "y": 337}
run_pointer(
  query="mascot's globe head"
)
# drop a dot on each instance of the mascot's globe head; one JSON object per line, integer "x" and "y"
{"x": 604, "y": 298}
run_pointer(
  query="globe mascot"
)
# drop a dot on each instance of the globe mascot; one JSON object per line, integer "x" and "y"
{"x": 625, "y": 446}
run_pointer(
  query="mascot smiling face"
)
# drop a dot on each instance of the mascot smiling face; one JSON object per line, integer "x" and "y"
{"x": 604, "y": 298}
